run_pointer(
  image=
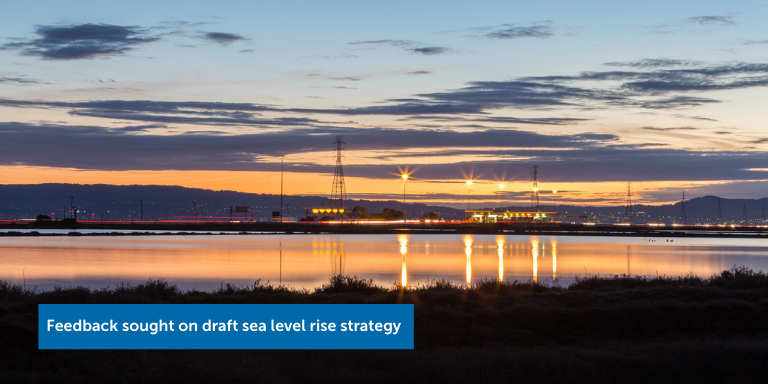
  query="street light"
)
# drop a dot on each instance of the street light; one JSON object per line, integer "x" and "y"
{"x": 404, "y": 176}
{"x": 554, "y": 206}
{"x": 469, "y": 194}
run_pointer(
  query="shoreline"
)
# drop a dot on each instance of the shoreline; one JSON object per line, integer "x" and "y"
{"x": 542, "y": 229}
{"x": 599, "y": 330}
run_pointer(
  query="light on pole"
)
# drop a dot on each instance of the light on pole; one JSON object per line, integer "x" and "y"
{"x": 554, "y": 205}
{"x": 469, "y": 194}
{"x": 404, "y": 176}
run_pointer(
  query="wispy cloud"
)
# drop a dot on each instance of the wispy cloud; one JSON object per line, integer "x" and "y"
{"x": 408, "y": 45}
{"x": 513, "y": 31}
{"x": 753, "y": 42}
{"x": 17, "y": 81}
{"x": 710, "y": 20}
{"x": 81, "y": 41}
{"x": 223, "y": 38}
{"x": 429, "y": 50}
{"x": 670, "y": 129}
{"x": 655, "y": 63}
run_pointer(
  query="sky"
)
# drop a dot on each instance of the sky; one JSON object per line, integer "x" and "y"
{"x": 666, "y": 96}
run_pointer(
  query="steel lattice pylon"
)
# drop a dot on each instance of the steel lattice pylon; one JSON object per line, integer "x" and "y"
{"x": 535, "y": 192}
{"x": 339, "y": 191}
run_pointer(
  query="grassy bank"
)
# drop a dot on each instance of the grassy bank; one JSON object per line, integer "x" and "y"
{"x": 599, "y": 329}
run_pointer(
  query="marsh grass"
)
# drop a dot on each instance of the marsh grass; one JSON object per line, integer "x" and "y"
{"x": 600, "y": 329}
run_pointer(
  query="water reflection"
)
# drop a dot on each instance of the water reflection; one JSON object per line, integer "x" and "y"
{"x": 403, "y": 239}
{"x": 500, "y": 251}
{"x": 468, "y": 253}
{"x": 204, "y": 262}
{"x": 554, "y": 261}
{"x": 535, "y": 254}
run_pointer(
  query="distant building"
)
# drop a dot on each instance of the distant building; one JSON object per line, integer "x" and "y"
{"x": 492, "y": 216}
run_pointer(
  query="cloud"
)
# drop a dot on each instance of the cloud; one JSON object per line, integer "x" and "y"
{"x": 419, "y": 72}
{"x": 709, "y": 20}
{"x": 751, "y": 42}
{"x": 346, "y": 78}
{"x": 17, "y": 81}
{"x": 502, "y": 119}
{"x": 671, "y": 129}
{"x": 676, "y": 102}
{"x": 222, "y": 38}
{"x": 82, "y": 41}
{"x": 394, "y": 43}
{"x": 246, "y": 51}
{"x": 562, "y": 158}
{"x": 512, "y": 31}
{"x": 655, "y": 63}
{"x": 693, "y": 117}
{"x": 168, "y": 112}
{"x": 429, "y": 50}
{"x": 408, "y": 45}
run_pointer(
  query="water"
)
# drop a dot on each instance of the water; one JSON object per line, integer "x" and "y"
{"x": 204, "y": 262}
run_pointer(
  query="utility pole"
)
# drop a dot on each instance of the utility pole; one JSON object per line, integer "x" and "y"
{"x": 683, "y": 213}
{"x": 628, "y": 209}
{"x": 719, "y": 210}
{"x": 72, "y": 206}
{"x": 194, "y": 205}
{"x": 141, "y": 217}
{"x": 281, "y": 191}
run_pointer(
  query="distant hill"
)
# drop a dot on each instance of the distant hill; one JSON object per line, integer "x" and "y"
{"x": 123, "y": 202}
{"x": 699, "y": 210}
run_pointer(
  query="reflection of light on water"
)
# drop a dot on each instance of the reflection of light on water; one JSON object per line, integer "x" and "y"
{"x": 500, "y": 245}
{"x": 535, "y": 254}
{"x": 403, "y": 239}
{"x": 554, "y": 260}
{"x": 336, "y": 254}
{"x": 468, "y": 252}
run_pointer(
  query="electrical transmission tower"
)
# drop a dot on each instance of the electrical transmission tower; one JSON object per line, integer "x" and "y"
{"x": 719, "y": 210}
{"x": 628, "y": 209}
{"x": 339, "y": 192}
{"x": 535, "y": 191}
{"x": 683, "y": 214}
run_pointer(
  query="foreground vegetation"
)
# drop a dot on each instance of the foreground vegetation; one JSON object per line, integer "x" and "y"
{"x": 599, "y": 329}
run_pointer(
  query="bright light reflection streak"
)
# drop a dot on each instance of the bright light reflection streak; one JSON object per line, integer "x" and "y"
{"x": 554, "y": 260}
{"x": 535, "y": 254}
{"x": 468, "y": 252}
{"x": 500, "y": 244}
{"x": 403, "y": 239}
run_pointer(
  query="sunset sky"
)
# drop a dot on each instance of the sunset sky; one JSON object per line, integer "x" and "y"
{"x": 670, "y": 96}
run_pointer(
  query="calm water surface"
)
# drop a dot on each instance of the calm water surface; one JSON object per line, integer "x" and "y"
{"x": 204, "y": 262}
